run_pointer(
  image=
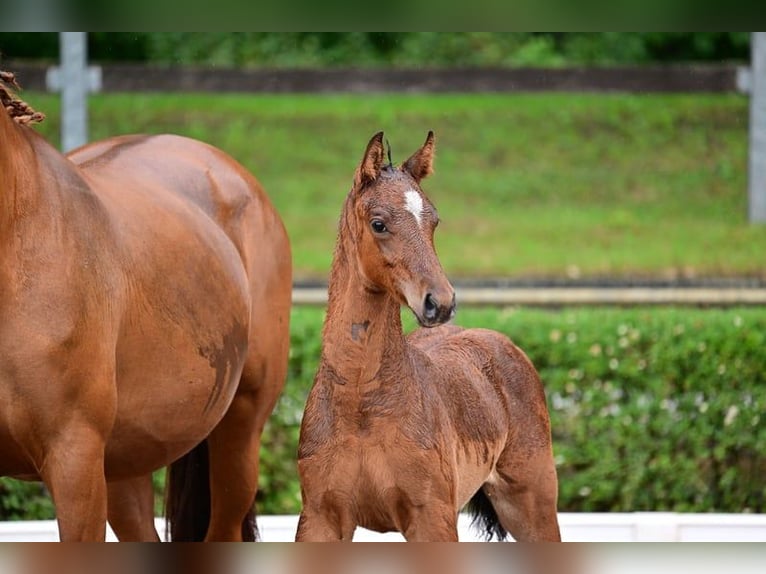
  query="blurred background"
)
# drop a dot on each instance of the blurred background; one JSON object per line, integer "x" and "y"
{"x": 601, "y": 164}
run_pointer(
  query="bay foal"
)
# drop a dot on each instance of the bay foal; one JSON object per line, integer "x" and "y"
{"x": 399, "y": 433}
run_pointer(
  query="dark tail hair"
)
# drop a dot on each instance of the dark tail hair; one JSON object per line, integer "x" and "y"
{"x": 187, "y": 499}
{"x": 484, "y": 517}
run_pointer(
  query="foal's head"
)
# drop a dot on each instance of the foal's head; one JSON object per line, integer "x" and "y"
{"x": 393, "y": 224}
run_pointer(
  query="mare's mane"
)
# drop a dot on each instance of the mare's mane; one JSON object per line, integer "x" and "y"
{"x": 20, "y": 111}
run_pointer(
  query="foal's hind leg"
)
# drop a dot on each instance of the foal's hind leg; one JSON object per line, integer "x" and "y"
{"x": 523, "y": 491}
{"x": 131, "y": 509}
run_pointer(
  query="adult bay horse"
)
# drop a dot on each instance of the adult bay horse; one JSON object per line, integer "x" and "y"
{"x": 145, "y": 286}
{"x": 399, "y": 433}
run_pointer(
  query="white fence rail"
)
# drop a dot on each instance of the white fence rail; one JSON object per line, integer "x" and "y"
{"x": 561, "y": 296}
{"x": 575, "y": 527}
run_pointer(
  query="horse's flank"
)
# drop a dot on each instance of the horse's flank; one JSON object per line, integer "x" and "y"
{"x": 400, "y": 432}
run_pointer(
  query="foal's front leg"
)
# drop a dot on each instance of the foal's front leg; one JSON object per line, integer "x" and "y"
{"x": 319, "y": 527}
{"x": 326, "y": 515}
{"x": 432, "y": 523}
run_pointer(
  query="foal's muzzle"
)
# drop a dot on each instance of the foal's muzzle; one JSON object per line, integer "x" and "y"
{"x": 435, "y": 311}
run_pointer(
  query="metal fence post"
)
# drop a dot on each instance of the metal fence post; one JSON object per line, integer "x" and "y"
{"x": 74, "y": 79}
{"x": 74, "y": 90}
{"x": 757, "y": 147}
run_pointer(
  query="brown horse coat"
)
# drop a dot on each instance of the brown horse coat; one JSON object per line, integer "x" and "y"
{"x": 144, "y": 295}
{"x": 399, "y": 433}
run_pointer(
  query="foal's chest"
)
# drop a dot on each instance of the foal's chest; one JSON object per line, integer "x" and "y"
{"x": 382, "y": 463}
{"x": 380, "y": 478}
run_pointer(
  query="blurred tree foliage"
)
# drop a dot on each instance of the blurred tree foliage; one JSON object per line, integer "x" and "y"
{"x": 398, "y": 49}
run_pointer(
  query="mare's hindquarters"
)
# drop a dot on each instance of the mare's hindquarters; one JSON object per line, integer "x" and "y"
{"x": 236, "y": 441}
{"x": 209, "y": 276}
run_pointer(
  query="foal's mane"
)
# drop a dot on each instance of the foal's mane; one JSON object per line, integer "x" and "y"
{"x": 20, "y": 111}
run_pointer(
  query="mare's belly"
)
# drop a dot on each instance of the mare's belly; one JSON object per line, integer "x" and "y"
{"x": 164, "y": 415}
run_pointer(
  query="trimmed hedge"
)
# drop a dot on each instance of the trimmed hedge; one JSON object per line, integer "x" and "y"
{"x": 652, "y": 409}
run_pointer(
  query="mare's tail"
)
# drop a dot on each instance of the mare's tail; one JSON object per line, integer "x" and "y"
{"x": 484, "y": 517}
{"x": 187, "y": 499}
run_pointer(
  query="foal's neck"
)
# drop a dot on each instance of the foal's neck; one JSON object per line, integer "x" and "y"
{"x": 362, "y": 336}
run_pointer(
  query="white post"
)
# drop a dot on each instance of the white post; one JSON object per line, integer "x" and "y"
{"x": 757, "y": 148}
{"x": 74, "y": 89}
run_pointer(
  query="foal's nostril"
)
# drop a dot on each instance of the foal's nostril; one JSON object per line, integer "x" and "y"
{"x": 430, "y": 307}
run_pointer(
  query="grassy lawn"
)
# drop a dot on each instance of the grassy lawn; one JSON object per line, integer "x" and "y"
{"x": 536, "y": 185}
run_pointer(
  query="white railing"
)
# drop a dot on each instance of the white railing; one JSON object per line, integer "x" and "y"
{"x": 575, "y": 527}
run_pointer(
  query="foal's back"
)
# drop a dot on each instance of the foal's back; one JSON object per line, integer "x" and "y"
{"x": 488, "y": 384}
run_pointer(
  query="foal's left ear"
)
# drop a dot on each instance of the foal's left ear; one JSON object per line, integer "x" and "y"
{"x": 421, "y": 162}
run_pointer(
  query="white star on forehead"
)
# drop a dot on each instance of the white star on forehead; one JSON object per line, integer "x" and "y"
{"x": 414, "y": 204}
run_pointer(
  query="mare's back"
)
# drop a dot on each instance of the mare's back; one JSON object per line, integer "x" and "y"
{"x": 161, "y": 169}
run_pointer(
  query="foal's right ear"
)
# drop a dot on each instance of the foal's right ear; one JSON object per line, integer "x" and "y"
{"x": 372, "y": 162}
{"x": 421, "y": 163}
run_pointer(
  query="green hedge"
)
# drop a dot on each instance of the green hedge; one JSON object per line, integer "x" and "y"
{"x": 652, "y": 409}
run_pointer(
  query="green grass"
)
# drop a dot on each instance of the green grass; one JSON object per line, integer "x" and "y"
{"x": 545, "y": 185}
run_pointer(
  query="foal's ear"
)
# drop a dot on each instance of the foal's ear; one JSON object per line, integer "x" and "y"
{"x": 372, "y": 162}
{"x": 421, "y": 162}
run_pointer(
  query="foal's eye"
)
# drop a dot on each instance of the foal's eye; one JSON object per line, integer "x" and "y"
{"x": 378, "y": 226}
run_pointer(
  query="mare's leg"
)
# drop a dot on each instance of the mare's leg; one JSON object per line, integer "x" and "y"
{"x": 234, "y": 449}
{"x": 524, "y": 493}
{"x": 130, "y": 509}
{"x": 73, "y": 470}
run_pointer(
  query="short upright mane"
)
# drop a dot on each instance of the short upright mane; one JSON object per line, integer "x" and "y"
{"x": 18, "y": 109}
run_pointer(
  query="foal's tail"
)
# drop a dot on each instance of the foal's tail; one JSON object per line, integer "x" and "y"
{"x": 484, "y": 516}
{"x": 187, "y": 499}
